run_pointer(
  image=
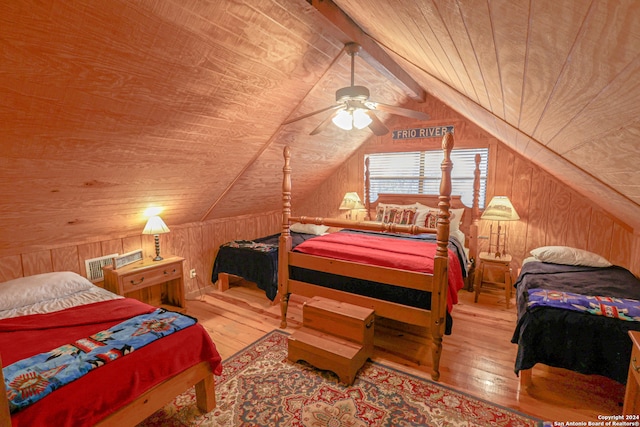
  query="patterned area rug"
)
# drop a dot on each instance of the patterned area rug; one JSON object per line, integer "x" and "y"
{"x": 260, "y": 387}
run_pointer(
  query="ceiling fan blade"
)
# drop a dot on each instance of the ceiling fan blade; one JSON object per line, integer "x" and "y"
{"x": 313, "y": 113}
{"x": 419, "y": 115}
{"x": 377, "y": 127}
{"x": 323, "y": 124}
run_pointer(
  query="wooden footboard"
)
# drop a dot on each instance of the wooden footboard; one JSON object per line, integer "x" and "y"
{"x": 436, "y": 283}
{"x": 146, "y": 404}
{"x": 200, "y": 375}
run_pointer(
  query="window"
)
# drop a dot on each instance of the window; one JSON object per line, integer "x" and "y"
{"x": 418, "y": 172}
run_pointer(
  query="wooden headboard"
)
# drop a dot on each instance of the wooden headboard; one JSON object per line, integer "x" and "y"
{"x": 430, "y": 200}
{"x": 469, "y": 223}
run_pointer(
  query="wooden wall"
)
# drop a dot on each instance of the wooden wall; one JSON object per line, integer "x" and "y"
{"x": 551, "y": 212}
{"x": 197, "y": 242}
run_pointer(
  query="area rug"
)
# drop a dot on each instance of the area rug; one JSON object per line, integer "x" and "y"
{"x": 260, "y": 387}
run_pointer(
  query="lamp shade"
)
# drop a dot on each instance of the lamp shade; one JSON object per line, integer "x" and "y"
{"x": 155, "y": 225}
{"x": 500, "y": 209}
{"x": 350, "y": 201}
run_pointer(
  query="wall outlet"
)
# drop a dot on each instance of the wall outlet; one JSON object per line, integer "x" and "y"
{"x": 192, "y": 273}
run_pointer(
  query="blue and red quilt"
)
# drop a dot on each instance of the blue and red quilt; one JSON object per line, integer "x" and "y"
{"x": 614, "y": 307}
{"x": 31, "y": 379}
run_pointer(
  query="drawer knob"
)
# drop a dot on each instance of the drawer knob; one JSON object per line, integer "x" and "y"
{"x": 137, "y": 283}
{"x": 173, "y": 272}
{"x": 634, "y": 366}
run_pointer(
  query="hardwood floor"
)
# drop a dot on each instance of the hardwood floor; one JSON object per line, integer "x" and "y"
{"x": 477, "y": 358}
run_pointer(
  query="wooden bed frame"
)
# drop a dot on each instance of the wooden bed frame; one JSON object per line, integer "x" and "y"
{"x": 154, "y": 399}
{"x": 437, "y": 283}
{"x": 468, "y": 225}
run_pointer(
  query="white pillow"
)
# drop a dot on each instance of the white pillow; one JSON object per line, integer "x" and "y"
{"x": 569, "y": 256}
{"x": 31, "y": 289}
{"x": 309, "y": 228}
{"x": 454, "y": 218}
{"x": 458, "y": 234}
{"x": 421, "y": 213}
{"x": 421, "y": 206}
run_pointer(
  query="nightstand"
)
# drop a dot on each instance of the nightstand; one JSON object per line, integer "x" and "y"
{"x": 500, "y": 268}
{"x": 632, "y": 394}
{"x": 158, "y": 283}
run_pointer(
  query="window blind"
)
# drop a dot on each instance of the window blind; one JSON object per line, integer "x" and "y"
{"x": 418, "y": 172}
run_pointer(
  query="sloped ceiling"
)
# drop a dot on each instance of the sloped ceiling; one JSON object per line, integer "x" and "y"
{"x": 557, "y": 81}
{"x": 108, "y": 108}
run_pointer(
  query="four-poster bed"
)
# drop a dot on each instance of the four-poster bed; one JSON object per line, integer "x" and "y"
{"x": 257, "y": 260}
{"x": 440, "y": 280}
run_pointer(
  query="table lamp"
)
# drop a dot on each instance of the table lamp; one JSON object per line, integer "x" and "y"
{"x": 499, "y": 209}
{"x": 156, "y": 226}
{"x": 350, "y": 202}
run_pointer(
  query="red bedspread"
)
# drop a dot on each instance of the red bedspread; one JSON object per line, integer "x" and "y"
{"x": 102, "y": 391}
{"x": 385, "y": 251}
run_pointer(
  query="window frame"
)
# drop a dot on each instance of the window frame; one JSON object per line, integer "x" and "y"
{"x": 465, "y": 178}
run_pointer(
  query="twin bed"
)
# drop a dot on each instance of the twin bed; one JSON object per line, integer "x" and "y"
{"x": 75, "y": 354}
{"x": 575, "y": 310}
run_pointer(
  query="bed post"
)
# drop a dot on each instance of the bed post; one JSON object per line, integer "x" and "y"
{"x": 475, "y": 217}
{"x": 285, "y": 238}
{"x": 367, "y": 190}
{"x": 440, "y": 268}
{"x": 5, "y": 415}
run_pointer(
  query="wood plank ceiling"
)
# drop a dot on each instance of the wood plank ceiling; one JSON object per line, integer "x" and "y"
{"x": 107, "y": 108}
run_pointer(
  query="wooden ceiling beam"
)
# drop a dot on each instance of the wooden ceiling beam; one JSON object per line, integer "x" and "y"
{"x": 348, "y": 31}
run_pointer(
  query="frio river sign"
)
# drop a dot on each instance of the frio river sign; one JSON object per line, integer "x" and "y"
{"x": 431, "y": 132}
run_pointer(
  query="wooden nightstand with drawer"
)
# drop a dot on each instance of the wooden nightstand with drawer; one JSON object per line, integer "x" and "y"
{"x": 158, "y": 283}
{"x": 632, "y": 393}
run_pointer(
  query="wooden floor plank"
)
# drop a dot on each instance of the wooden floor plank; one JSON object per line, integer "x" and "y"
{"x": 477, "y": 358}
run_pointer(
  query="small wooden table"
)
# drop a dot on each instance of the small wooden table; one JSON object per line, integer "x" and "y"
{"x": 632, "y": 393}
{"x": 488, "y": 261}
{"x": 158, "y": 283}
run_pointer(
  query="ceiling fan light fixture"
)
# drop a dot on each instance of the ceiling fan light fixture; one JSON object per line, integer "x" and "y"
{"x": 343, "y": 119}
{"x": 361, "y": 119}
{"x": 353, "y": 107}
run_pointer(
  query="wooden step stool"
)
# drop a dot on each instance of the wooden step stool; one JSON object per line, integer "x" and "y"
{"x": 335, "y": 336}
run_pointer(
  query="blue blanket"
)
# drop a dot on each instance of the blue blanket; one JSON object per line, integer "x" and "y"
{"x": 31, "y": 379}
{"x": 617, "y": 308}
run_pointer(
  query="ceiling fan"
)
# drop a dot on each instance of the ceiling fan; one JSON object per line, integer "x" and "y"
{"x": 353, "y": 107}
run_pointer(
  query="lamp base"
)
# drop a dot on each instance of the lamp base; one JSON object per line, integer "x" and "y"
{"x": 157, "y": 242}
